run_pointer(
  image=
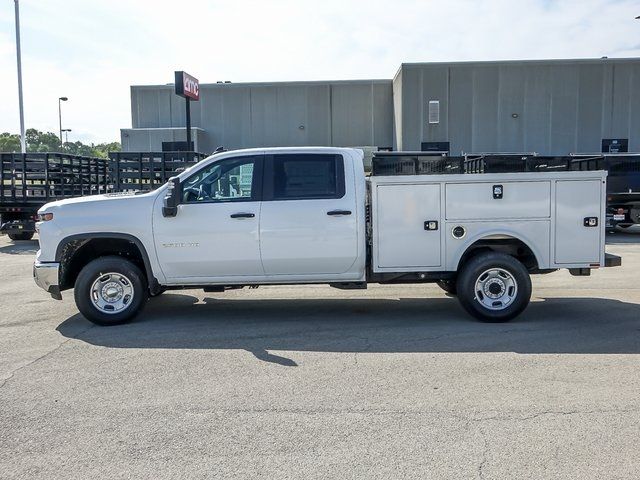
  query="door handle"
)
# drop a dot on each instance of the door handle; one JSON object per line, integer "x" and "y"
{"x": 339, "y": 212}
{"x": 243, "y": 215}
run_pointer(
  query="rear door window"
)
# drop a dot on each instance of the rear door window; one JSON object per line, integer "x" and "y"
{"x": 306, "y": 177}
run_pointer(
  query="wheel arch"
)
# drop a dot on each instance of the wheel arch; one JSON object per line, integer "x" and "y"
{"x": 75, "y": 251}
{"x": 505, "y": 242}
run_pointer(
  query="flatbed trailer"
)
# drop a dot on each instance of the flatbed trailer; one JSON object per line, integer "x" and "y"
{"x": 30, "y": 180}
{"x": 146, "y": 171}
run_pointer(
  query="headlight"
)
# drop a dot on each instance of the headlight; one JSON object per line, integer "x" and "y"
{"x": 45, "y": 217}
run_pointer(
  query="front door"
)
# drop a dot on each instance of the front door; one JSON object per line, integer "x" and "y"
{"x": 215, "y": 234}
{"x": 309, "y": 218}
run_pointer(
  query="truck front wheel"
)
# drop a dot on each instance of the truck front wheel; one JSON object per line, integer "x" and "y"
{"x": 110, "y": 291}
{"x": 494, "y": 287}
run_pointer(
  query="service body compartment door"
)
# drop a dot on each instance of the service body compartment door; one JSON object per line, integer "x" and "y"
{"x": 574, "y": 241}
{"x": 475, "y": 201}
{"x": 403, "y": 238}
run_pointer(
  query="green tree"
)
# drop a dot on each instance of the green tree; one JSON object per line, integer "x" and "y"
{"x": 78, "y": 148}
{"x": 9, "y": 142}
{"x": 102, "y": 149}
{"x": 38, "y": 141}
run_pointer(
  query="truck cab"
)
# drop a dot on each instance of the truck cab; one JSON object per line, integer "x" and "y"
{"x": 292, "y": 215}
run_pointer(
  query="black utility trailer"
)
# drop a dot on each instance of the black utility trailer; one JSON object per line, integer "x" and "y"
{"x": 28, "y": 181}
{"x": 145, "y": 171}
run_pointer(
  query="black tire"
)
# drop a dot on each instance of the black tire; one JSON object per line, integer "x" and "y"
{"x": 448, "y": 286}
{"x": 21, "y": 236}
{"x": 508, "y": 271}
{"x": 98, "y": 268}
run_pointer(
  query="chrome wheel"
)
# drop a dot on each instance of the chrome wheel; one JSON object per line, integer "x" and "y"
{"x": 111, "y": 293}
{"x": 496, "y": 289}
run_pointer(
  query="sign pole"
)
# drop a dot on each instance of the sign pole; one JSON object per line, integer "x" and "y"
{"x": 188, "y": 87}
{"x": 23, "y": 140}
{"x": 188, "y": 114}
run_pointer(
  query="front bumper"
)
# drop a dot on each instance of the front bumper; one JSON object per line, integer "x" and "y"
{"x": 46, "y": 277}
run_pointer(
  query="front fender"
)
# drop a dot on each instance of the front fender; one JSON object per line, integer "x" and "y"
{"x": 68, "y": 245}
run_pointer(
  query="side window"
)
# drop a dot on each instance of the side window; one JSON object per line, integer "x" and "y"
{"x": 228, "y": 180}
{"x": 308, "y": 176}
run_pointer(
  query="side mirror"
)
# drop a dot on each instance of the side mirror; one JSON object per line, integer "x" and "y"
{"x": 172, "y": 198}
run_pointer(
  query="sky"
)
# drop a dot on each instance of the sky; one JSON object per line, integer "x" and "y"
{"x": 93, "y": 50}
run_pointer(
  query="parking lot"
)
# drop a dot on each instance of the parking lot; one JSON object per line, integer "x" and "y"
{"x": 313, "y": 382}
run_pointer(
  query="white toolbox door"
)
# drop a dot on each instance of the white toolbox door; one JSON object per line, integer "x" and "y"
{"x": 475, "y": 201}
{"x": 402, "y": 211}
{"x": 575, "y": 201}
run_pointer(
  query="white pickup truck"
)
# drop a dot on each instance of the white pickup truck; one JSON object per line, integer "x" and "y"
{"x": 310, "y": 216}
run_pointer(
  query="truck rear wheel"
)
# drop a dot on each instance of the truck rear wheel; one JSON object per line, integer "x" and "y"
{"x": 494, "y": 287}
{"x": 21, "y": 236}
{"x": 110, "y": 291}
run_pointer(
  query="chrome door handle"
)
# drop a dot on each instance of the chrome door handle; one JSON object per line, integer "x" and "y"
{"x": 243, "y": 215}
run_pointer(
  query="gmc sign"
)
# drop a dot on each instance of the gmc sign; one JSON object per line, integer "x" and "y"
{"x": 187, "y": 86}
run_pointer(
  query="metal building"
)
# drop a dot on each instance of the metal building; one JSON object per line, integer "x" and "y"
{"x": 547, "y": 106}
{"x": 242, "y": 115}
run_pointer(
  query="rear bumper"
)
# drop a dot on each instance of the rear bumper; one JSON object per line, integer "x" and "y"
{"x": 611, "y": 260}
{"x": 46, "y": 277}
{"x": 18, "y": 226}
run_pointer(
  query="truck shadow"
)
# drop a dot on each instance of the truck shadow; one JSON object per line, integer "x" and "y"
{"x": 262, "y": 326}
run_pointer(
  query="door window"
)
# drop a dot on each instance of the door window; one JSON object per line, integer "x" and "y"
{"x": 228, "y": 180}
{"x": 307, "y": 176}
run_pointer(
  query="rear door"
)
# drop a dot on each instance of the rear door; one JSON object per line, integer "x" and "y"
{"x": 577, "y": 240}
{"x": 309, "y": 221}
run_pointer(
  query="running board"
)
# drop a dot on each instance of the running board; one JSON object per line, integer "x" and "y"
{"x": 349, "y": 285}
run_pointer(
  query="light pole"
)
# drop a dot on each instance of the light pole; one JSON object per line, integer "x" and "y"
{"x": 23, "y": 140}
{"x": 60, "y": 100}
{"x": 66, "y": 134}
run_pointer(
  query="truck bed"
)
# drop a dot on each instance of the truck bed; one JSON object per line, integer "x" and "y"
{"x": 424, "y": 223}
